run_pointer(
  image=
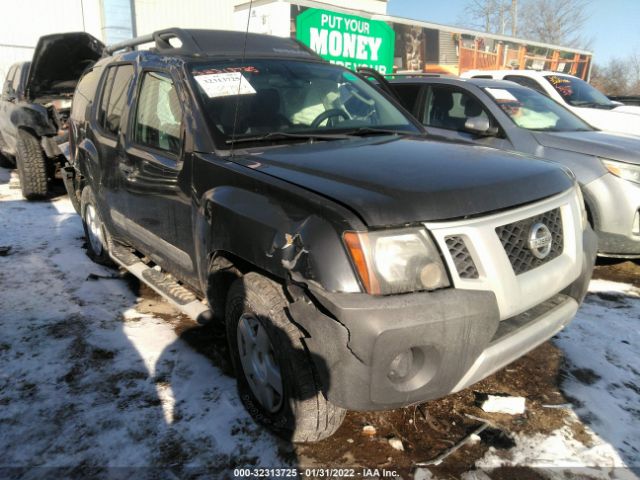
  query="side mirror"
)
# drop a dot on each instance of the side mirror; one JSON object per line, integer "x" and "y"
{"x": 480, "y": 126}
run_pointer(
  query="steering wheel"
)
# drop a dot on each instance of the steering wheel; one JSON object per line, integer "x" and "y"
{"x": 332, "y": 112}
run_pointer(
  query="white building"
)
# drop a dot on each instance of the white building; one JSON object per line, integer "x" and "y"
{"x": 23, "y": 22}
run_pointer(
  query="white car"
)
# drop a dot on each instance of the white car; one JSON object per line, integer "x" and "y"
{"x": 576, "y": 94}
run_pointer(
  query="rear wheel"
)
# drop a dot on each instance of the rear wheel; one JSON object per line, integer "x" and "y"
{"x": 32, "y": 166}
{"x": 276, "y": 376}
{"x": 94, "y": 230}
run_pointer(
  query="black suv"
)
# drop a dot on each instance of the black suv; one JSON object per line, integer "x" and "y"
{"x": 34, "y": 106}
{"x": 356, "y": 262}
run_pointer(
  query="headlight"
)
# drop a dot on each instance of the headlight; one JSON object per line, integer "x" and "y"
{"x": 396, "y": 261}
{"x": 623, "y": 170}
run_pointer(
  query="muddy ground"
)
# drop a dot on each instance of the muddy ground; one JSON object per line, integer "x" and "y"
{"x": 429, "y": 429}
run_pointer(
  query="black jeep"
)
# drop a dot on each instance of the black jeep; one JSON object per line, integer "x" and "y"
{"x": 356, "y": 262}
{"x": 34, "y": 106}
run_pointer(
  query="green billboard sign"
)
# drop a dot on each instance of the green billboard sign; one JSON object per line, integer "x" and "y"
{"x": 347, "y": 40}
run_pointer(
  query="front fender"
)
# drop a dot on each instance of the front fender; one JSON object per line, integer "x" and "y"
{"x": 287, "y": 241}
{"x": 34, "y": 117}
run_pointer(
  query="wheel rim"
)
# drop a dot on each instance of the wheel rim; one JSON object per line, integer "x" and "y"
{"x": 94, "y": 229}
{"x": 258, "y": 362}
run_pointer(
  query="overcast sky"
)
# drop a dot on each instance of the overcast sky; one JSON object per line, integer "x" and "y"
{"x": 613, "y": 24}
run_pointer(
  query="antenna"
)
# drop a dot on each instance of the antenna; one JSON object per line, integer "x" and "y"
{"x": 242, "y": 63}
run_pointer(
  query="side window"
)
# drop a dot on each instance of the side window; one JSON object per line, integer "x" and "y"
{"x": 106, "y": 90}
{"x": 85, "y": 92}
{"x": 158, "y": 116}
{"x": 526, "y": 82}
{"x": 114, "y": 98}
{"x": 407, "y": 94}
{"x": 16, "y": 78}
{"x": 9, "y": 80}
{"x": 449, "y": 109}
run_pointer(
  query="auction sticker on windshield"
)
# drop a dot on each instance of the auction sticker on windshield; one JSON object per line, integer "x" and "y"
{"x": 224, "y": 84}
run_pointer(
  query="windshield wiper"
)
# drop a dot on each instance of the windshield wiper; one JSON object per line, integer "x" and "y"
{"x": 287, "y": 136}
{"x": 378, "y": 131}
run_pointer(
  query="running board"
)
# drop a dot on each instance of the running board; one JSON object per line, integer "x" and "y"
{"x": 165, "y": 285}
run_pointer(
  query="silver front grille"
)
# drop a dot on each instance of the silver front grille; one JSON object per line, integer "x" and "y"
{"x": 462, "y": 259}
{"x": 515, "y": 238}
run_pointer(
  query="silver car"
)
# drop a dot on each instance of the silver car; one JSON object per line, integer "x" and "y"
{"x": 505, "y": 115}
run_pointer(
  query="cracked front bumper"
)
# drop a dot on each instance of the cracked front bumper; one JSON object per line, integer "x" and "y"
{"x": 455, "y": 338}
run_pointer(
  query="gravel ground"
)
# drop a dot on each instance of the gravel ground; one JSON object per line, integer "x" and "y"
{"x": 100, "y": 377}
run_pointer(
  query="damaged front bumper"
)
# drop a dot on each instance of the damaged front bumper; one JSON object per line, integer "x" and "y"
{"x": 376, "y": 353}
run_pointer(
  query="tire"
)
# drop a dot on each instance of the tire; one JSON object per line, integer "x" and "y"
{"x": 32, "y": 166}
{"x": 94, "y": 230}
{"x": 303, "y": 414}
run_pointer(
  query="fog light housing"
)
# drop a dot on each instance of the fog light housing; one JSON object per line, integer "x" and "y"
{"x": 400, "y": 366}
{"x": 413, "y": 368}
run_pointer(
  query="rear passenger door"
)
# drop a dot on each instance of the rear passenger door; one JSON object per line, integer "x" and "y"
{"x": 110, "y": 130}
{"x": 158, "y": 188}
{"x": 444, "y": 110}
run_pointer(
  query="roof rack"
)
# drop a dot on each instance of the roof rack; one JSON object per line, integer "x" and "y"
{"x": 162, "y": 39}
{"x": 198, "y": 42}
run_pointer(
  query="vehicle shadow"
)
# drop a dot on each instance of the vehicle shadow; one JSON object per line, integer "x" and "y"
{"x": 90, "y": 386}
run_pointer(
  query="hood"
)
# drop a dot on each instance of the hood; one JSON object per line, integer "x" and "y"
{"x": 394, "y": 181}
{"x": 632, "y": 109}
{"x": 58, "y": 62}
{"x": 615, "y": 120}
{"x": 625, "y": 148}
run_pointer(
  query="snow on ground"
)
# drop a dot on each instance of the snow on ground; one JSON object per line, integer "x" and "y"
{"x": 89, "y": 381}
{"x": 85, "y": 380}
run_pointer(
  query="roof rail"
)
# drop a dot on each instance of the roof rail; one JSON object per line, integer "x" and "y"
{"x": 162, "y": 39}
{"x": 419, "y": 74}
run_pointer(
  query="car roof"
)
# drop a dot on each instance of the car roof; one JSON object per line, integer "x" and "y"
{"x": 522, "y": 73}
{"x": 478, "y": 82}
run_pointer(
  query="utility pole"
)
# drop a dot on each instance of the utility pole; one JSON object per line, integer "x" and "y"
{"x": 514, "y": 17}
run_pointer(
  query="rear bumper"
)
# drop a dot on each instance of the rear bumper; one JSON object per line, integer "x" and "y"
{"x": 455, "y": 338}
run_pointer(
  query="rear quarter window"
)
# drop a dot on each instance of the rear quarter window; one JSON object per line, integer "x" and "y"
{"x": 114, "y": 97}
{"x": 85, "y": 92}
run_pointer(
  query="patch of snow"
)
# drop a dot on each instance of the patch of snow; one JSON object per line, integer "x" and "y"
{"x": 504, "y": 404}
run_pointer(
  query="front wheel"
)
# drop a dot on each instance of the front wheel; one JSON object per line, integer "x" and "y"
{"x": 94, "y": 230}
{"x": 32, "y": 166}
{"x": 277, "y": 381}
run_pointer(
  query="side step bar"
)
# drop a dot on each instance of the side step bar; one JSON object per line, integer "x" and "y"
{"x": 163, "y": 284}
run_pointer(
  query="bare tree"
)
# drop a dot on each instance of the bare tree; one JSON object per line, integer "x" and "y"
{"x": 620, "y": 76}
{"x": 560, "y": 22}
{"x": 491, "y": 16}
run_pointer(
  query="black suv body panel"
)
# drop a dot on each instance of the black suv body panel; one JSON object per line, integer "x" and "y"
{"x": 282, "y": 209}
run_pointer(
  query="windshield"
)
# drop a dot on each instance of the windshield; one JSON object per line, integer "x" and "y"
{"x": 579, "y": 93}
{"x": 291, "y": 100}
{"x": 534, "y": 111}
